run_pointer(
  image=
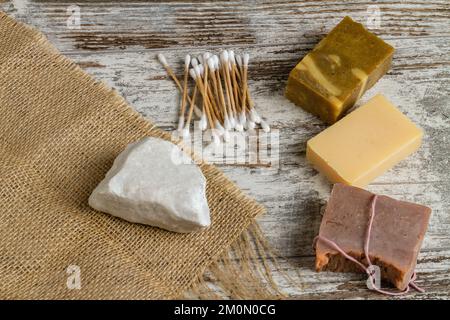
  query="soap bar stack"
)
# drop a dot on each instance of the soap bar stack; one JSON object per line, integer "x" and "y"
{"x": 329, "y": 80}
{"x": 355, "y": 150}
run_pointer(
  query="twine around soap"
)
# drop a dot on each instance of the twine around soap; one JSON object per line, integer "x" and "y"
{"x": 370, "y": 268}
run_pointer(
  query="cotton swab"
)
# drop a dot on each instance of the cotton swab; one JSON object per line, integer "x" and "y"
{"x": 265, "y": 126}
{"x": 206, "y": 110}
{"x": 219, "y": 128}
{"x": 250, "y": 124}
{"x": 215, "y": 137}
{"x": 254, "y": 116}
{"x": 163, "y": 61}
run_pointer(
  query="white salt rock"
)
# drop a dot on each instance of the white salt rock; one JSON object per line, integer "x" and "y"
{"x": 154, "y": 182}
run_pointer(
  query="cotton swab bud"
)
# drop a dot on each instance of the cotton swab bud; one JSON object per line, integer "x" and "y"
{"x": 226, "y": 136}
{"x": 211, "y": 64}
{"x": 239, "y": 127}
{"x": 197, "y": 71}
{"x": 250, "y": 124}
{"x": 220, "y": 129}
{"x": 200, "y": 59}
{"x": 239, "y": 60}
{"x": 242, "y": 118}
{"x": 203, "y": 122}
{"x": 254, "y": 116}
{"x": 231, "y": 57}
{"x": 215, "y": 138}
{"x": 162, "y": 59}
{"x": 202, "y": 69}
{"x": 194, "y": 62}
{"x": 226, "y": 123}
{"x": 265, "y": 126}
{"x": 216, "y": 61}
{"x": 224, "y": 56}
{"x": 245, "y": 59}
{"x": 193, "y": 74}
{"x": 180, "y": 123}
{"x": 206, "y": 56}
{"x": 186, "y": 133}
{"x": 232, "y": 122}
{"x": 187, "y": 61}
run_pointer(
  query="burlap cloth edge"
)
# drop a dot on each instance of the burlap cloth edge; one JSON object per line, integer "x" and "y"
{"x": 214, "y": 176}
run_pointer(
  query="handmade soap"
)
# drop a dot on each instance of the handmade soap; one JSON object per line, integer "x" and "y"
{"x": 335, "y": 74}
{"x": 396, "y": 235}
{"x": 364, "y": 144}
{"x": 153, "y": 182}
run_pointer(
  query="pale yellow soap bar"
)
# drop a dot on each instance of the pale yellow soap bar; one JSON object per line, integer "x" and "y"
{"x": 364, "y": 144}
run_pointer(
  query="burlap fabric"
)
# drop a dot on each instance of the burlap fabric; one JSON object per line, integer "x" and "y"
{"x": 60, "y": 131}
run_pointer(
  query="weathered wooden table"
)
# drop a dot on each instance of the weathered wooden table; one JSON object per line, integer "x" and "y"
{"x": 117, "y": 42}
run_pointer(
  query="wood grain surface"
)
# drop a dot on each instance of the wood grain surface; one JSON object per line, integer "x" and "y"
{"x": 117, "y": 42}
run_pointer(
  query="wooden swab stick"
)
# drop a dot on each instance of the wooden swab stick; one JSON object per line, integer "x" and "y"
{"x": 203, "y": 119}
{"x": 213, "y": 103}
{"x": 234, "y": 82}
{"x": 226, "y": 120}
{"x": 211, "y": 100}
{"x": 187, "y": 62}
{"x": 215, "y": 94}
{"x": 220, "y": 106}
{"x": 228, "y": 87}
{"x": 240, "y": 76}
{"x": 204, "y": 93}
{"x": 244, "y": 85}
{"x": 206, "y": 102}
{"x": 240, "y": 106}
{"x": 240, "y": 69}
{"x": 191, "y": 109}
{"x": 227, "y": 93}
{"x": 212, "y": 67}
{"x": 253, "y": 114}
{"x": 216, "y": 115}
{"x": 249, "y": 101}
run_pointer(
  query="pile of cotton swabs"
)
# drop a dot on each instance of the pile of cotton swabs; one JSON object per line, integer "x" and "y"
{"x": 221, "y": 84}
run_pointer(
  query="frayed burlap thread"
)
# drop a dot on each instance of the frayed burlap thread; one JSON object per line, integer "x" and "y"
{"x": 60, "y": 131}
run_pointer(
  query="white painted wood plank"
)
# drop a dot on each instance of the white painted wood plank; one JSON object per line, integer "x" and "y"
{"x": 117, "y": 43}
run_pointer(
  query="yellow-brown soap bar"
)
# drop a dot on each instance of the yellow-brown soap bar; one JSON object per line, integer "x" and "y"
{"x": 364, "y": 144}
{"x": 335, "y": 74}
